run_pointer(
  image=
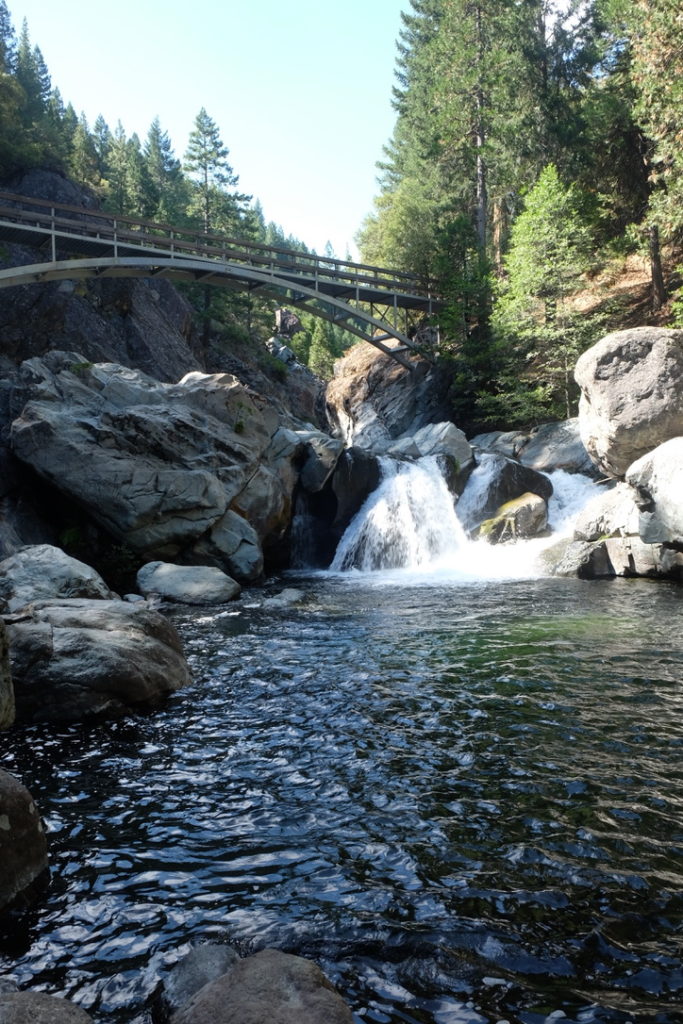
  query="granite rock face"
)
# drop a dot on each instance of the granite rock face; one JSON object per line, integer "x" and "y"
{"x": 43, "y": 572}
{"x": 631, "y": 395}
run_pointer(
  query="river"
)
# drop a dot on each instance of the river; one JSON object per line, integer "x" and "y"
{"x": 463, "y": 797}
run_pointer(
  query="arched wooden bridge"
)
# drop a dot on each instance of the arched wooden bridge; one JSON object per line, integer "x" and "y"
{"x": 370, "y": 302}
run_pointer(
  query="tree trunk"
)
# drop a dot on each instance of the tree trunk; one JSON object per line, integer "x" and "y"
{"x": 658, "y": 287}
{"x": 480, "y": 139}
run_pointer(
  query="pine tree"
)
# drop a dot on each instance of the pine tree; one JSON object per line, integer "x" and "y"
{"x": 8, "y": 43}
{"x": 166, "y": 194}
{"x": 206, "y": 161}
{"x": 550, "y": 250}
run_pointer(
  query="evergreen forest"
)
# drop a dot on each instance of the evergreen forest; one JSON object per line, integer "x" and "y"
{"x": 537, "y": 147}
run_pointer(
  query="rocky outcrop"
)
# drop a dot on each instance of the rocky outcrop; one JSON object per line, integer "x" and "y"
{"x": 75, "y": 658}
{"x": 496, "y": 481}
{"x": 6, "y": 685}
{"x": 548, "y": 447}
{"x": 357, "y": 475}
{"x": 373, "y": 400}
{"x": 38, "y": 1008}
{"x": 44, "y": 572}
{"x": 23, "y": 846}
{"x": 199, "y": 584}
{"x": 519, "y": 519}
{"x": 657, "y": 480}
{"x": 609, "y": 540}
{"x": 268, "y": 988}
{"x": 631, "y": 395}
{"x": 164, "y": 462}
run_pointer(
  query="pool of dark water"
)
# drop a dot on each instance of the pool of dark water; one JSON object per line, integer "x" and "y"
{"x": 464, "y": 801}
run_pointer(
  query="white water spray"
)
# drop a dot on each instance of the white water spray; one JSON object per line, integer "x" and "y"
{"x": 410, "y": 524}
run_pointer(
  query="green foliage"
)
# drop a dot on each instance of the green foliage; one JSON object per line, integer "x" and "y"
{"x": 550, "y": 250}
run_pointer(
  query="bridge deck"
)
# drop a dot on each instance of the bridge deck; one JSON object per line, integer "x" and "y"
{"x": 80, "y": 242}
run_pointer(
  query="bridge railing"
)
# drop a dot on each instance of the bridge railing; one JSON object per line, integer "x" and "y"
{"x": 61, "y": 220}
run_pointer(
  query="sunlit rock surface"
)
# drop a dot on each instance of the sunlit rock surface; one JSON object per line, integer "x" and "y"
{"x": 43, "y": 572}
{"x": 631, "y": 395}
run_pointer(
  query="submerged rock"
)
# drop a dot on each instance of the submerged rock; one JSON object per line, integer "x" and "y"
{"x": 75, "y": 658}
{"x": 23, "y": 846}
{"x": 268, "y": 988}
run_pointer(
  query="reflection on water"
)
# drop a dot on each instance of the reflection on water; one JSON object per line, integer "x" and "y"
{"x": 465, "y": 802}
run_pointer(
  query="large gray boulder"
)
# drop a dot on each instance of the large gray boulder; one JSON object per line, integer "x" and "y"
{"x": 657, "y": 479}
{"x": 42, "y": 572}
{"x": 268, "y": 988}
{"x": 198, "y": 584}
{"x": 74, "y": 658}
{"x": 23, "y": 846}
{"x": 557, "y": 446}
{"x": 618, "y": 556}
{"x": 496, "y": 481}
{"x": 157, "y": 465}
{"x": 631, "y": 395}
{"x": 611, "y": 513}
{"x": 6, "y": 685}
{"x": 39, "y": 1008}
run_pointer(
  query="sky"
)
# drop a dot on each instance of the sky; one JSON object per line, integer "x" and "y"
{"x": 299, "y": 89}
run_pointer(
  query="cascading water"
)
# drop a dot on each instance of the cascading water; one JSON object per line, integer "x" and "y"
{"x": 410, "y": 523}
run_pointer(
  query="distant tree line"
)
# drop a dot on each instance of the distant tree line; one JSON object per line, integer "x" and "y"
{"x": 145, "y": 179}
{"x": 534, "y": 142}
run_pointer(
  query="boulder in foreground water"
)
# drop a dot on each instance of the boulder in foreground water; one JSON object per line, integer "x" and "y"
{"x": 268, "y": 988}
{"x": 39, "y": 1008}
{"x": 71, "y": 659}
{"x": 23, "y": 847}
{"x": 187, "y": 584}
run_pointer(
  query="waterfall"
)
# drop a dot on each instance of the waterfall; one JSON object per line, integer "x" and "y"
{"x": 410, "y": 523}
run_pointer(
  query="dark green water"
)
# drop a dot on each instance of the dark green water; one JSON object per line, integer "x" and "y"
{"x": 464, "y": 801}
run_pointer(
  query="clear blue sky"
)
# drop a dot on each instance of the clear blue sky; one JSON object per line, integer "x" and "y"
{"x": 300, "y": 89}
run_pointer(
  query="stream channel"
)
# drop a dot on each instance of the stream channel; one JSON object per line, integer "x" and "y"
{"x": 461, "y": 795}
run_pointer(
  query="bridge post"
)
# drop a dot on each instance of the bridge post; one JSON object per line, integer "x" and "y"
{"x": 53, "y": 236}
